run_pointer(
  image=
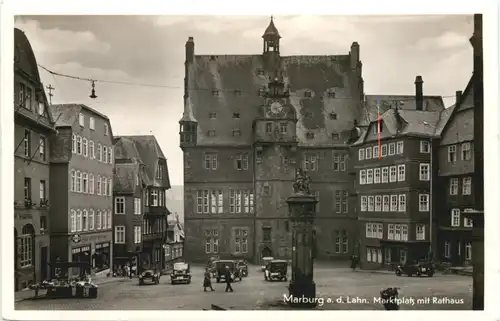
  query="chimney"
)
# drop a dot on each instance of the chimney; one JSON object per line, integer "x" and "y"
{"x": 190, "y": 50}
{"x": 354, "y": 59}
{"x": 418, "y": 93}
{"x": 458, "y": 98}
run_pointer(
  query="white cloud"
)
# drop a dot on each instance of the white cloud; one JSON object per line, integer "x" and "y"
{"x": 76, "y": 69}
{"x": 446, "y": 40}
{"x": 50, "y": 41}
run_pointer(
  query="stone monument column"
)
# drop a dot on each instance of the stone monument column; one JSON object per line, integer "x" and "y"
{"x": 302, "y": 208}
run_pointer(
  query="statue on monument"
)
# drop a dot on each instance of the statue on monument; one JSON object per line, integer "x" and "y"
{"x": 302, "y": 182}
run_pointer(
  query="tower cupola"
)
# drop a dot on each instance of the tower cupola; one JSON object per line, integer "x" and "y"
{"x": 271, "y": 38}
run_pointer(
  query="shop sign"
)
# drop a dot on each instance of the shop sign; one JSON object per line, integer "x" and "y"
{"x": 76, "y": 238}
{"x": 80, "y": 249}
{"x": 101, "y": 245}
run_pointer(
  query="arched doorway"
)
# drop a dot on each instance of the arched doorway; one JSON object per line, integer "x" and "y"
{"x": 267, "y": 252}
{"x": 16, "y": 272}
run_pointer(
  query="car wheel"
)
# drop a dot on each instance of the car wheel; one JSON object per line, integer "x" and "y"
{"x": 218, "y": 280}
{"x": 285, "y": 279}
{"x": 410, "y": 274}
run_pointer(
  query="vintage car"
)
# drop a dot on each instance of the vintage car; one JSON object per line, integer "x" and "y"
{"x": 265, "y": 261}
{"x": 276, "y": 270}
{"x": 242, "y": 266}
{"x": 221, "y": 267}
{"x": 149, "y": 275}
{"x": 418, "y": 269}
{"x": 181, "y": 273}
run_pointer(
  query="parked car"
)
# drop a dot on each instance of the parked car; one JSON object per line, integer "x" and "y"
{"x": 276, "y": 270}
{"x": 418, "y": 269}
{"x": 221, "y": 267}
{"x": 181, "y": 273}
{"x": 149, "y": 275}
{"x": 265, "y": 261}
{"x": 243, "y": 267}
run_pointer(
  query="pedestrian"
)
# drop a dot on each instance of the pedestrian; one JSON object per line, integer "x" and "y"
{"x": 228, "y": 280}
{"x": 354, "y": 262}
{"x": 207, "y": 281}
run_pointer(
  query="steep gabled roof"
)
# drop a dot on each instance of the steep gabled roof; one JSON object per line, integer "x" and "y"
{"x": 125, "y": 177}
{"x": 67, "y": 114}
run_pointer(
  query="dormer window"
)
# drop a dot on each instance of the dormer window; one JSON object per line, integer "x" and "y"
{"x": 335, "y": 136}
{"x": 236, "y": 133}
{"x": 377, "y": 126}
{"x": 307, "y": 94}
{"x": 333, "y": 116}
{"x": 215, "y": 92}
{"x": 236, "y": 115}
{"x": 211, "y": 133}
{"x": 310, "y": 135}
{"x": 237, "y": 92}
{"x": 331, "y": 94}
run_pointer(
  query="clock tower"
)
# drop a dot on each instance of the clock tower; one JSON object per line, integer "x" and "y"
{"x": 275, "y": 144}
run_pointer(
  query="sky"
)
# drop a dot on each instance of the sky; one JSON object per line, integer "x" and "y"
{"x": 149, "y": 50}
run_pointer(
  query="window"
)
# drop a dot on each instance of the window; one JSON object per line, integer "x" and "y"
{"x": 27, "y": 143}
{"x": 369, "y": 176}
{"x": 22, "y": 97}
{"x": 110, "y": 154}
{"x": 310, "y": 162}
{"x": 241, "y": 162}
{"x": 455, "y": 217}
{"x": 99, "y": 152}
{"x": 399, "y": 148}
{"x": 99, "y": 185}
{"x": 371, "y": 203}
{"x": 106, "y": 129}
{"x": 210, "y": 161}
{"x": 364, "y": 203}
{"x": 378, "y": 203}
{"x": 361, "y": 154}
{"x": 376, "y": 152}
{"x": 137, "y": 234}
{"x": 425, "y": 147}
{"x": 119, "y": 234}
{"x": 402, "y": 203}
{"x": 385, "y": 203}
{"x": 394, "y": 203}
{"x": 85, "y": 147}
{"x": 391, "y": 234}
{"x": 404, "y": 232}
{"x": 85, "y": 183}
{"x": 41, "y": 108}
{"x": 81, "y": 119}
{"x": 137, "y": 206}
{"x": 466, "y": 151}
{"x": 98, "y": 220}
{"x": 104, "y": 189}
{"x": 283, "y": 128}
{"x": 376, "y": 173}
{"x": 73, "y": 143}
{"x": 373, "y": 255}
{"x": 452, "y": 153}
{"x": 91, "y": 150}
{"x": 240, "y": 240}
{"x": 85, "y": 220}
{"x": 105, "y": 152}
{"x": 331, "y": 94}
{"x": 211, "y": 133}
{"x": 467, "y": 186}
{"x": 362, "y": 177}
{"x": 236, "y": 133}
{"x": 92, "y": 123}
{"x": 307, "y": 94}
{"x": 154, "y": 198}
{"x": 211, "y": 241}
{"x": 468, "y": 222}
{"x": 79, "y": 145}
{"x": 345, "y": 200}
{"x": 393, "y": 174}
{"x": 42, "y": 148}
{"x": 368, "y": 153}
{"x": 392, "y": 149}
{"x": 384, "y": 150}
{"x": 339, "y": 162}
{"x": 374, "y": 230}
{"x": 468, "y": 251}
{"x": 425, "y": 172}
{"x": 119, "y": 205}
{"x": 345, "y": 242}
{"x": 401, "y": 173}
{"x": 236, "y": 115}
{"x": 91, "y": 220}
{"x": 25, "y": 246}
{"x": 212, "y": 115}
{"x": 447, "y": 249}
{"x": 453, "y": 186}
{"x": 266, "y": 234}
{"x": 248, "y": 201}
{"x": 337, "y": 242}
{"x": 423, "y": 203}
{"x": 385, "y": 174}
{"x": 91, "y": 183}
{"x": 341, "y": 201}
{"x": 269, "y": 128}
{"x": 42, "y": 191}
{"x": 78, "y": 220}
{"x": 73, "y": 181}
{"x": 199, "y": 202}
{"x": 109, "y": 219}
{"x": 28, "y": 98}
{"x": 78, "y": 182}
{"x": 420, "y": 233}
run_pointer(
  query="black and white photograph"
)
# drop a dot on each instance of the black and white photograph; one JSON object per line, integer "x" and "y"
{"x": 271, "y": 162}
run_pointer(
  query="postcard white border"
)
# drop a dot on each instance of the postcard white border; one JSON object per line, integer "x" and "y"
{"x": 224, "y": 7}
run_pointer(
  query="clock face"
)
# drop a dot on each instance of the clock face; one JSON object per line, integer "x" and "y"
{"x": 276, "y": 107}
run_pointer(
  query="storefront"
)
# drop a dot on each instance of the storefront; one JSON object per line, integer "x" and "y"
{"x": 101, "y": 256}
{"x": 81, "y": 254}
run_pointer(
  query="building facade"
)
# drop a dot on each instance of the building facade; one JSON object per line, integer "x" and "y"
{"x": 82, "y": 160}
{"x": 249, "y": 121}
{"x": 174, "y": 249}
{"x": 456, "y": 171}
{"x": 33, "y": 127}
{"x": 154, "y": 182}
{"x": 392, "y": 161}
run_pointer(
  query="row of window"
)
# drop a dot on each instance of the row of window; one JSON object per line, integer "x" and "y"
{"x": 211, "y": 241}
{"x": 120, "y": 235}
{"x": 86, "y": 148}
{"x": 455, "y": 219}
{"x": 40, "y": 148}
{"x": 81, "y": 121}
{"x": 390, "y": 149}
{"x": 466, "y": 186}
{"x": 120, "y": 205}
{"x": 154, "y": 197}
{"x": 176, "y": 252}
{"x": 391, "y": 174}
{"x": 392, "y": 203}
{"x": 27, "y": 189}
{"x": 154, "y": 226}
{"x": 466, "y": 152}
{"x": 341, "y": 241}
{"x": 90, "y": 220}
{"x": 468, "y": 250}
{"x": 25, "y": 100}
{"x": 240, "y": 161}
{"x": 396, "y": 232}
{"x": 212, "y": 201}
{"x": 82, "y": 182}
